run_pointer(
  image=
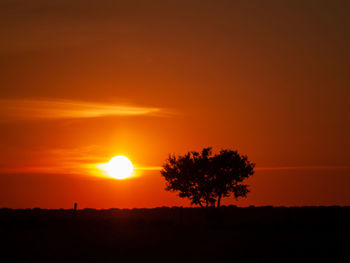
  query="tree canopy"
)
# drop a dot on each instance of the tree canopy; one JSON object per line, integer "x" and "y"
{"x": 205, "y": 178}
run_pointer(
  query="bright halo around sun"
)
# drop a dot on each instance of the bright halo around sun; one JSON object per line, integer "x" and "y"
{"x": 119, "y": 167}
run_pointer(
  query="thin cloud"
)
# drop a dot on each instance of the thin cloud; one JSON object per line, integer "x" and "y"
{"x": 28, "y": 109}
{"x": 85, "y": 160}
{"x": 277, "y": 168}
{"x": 281, "y": 168}
{"x": 149, "y": 168}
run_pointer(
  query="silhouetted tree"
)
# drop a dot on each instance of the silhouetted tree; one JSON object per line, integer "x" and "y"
{"x": 206, "y": 178}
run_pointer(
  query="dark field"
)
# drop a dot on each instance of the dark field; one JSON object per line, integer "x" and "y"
{"x": 252, "y": 234}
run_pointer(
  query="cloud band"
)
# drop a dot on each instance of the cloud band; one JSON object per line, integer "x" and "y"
{"x": 27, "y": 109}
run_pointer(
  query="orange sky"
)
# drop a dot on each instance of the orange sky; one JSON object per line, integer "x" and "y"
{"x": 82, "y": 81}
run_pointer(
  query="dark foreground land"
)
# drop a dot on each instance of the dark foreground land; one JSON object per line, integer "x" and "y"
{"x": 252, "y": 234}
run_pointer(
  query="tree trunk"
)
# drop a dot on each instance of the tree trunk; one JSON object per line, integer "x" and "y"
{"x": 219, "y": 200}
{"x": 200, "y": 204}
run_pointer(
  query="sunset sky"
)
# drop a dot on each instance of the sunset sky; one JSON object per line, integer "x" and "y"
{"x": 83, "y": 81}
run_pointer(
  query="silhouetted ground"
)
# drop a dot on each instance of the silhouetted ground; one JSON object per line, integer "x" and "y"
{"x": 251, "y": 234}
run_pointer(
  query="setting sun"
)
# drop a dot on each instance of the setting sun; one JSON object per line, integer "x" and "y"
{"x": 119, "y": 167}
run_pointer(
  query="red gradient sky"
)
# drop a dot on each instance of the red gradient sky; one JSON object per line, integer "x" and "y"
{"x": 82, "y": 81}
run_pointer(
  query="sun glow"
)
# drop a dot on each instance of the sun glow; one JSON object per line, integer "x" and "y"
{"x": 119, "y": 167}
